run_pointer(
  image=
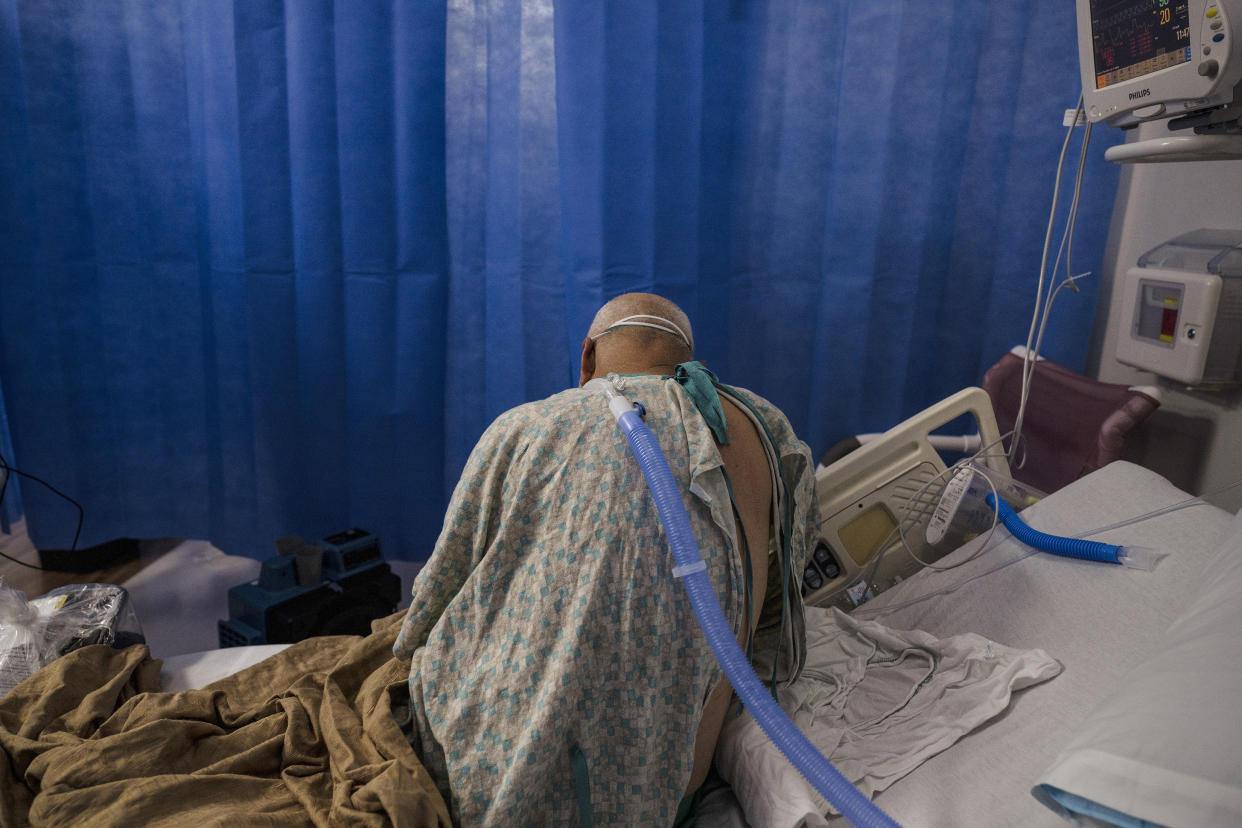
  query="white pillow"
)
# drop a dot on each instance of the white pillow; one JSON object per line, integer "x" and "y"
{"x": 1166, "y": 748}
{"x": 193, "y": 671}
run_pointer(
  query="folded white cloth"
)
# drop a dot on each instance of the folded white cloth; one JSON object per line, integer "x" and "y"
{"x": 878, "y": 703}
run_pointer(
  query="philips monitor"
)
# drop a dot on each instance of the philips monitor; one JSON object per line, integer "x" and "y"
{"x": 1153, "y": 59}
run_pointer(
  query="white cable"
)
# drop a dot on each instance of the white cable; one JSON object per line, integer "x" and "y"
{"x": 1067, "y": 243}
{"x": 1066, "y": 247}
{"x": 1028, "y": 365}
{"x": 1082, "y": 159}
{"x": 982, "y": 546}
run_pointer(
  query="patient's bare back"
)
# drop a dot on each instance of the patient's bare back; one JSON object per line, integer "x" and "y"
{"x": 746, "y": 464}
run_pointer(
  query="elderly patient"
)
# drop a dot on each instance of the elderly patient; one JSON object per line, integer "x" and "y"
{"x": 558, "y": 673}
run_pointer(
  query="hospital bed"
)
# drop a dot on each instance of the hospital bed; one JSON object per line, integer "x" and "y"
{"x": 1142, "y": 716}
{"x": 1139, "y": 710}
{"x": 1092, "y": 728}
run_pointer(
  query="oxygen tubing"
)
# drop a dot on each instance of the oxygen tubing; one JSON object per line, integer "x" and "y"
{"x": 692, "y": 570}
{"x": 1087, "y": 550}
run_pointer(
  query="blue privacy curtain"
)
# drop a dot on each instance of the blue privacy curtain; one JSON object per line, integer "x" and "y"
{"x": 271, "y": 267}
{"x": 10, "y": 489}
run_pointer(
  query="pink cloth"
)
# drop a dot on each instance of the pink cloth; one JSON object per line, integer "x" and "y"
{"x": 1073, "y": 424}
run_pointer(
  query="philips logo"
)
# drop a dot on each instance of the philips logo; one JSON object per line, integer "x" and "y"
{"x": 1142, "y": 93}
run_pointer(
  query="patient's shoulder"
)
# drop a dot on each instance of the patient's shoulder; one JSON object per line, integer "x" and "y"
{"x": 774, "y": 419}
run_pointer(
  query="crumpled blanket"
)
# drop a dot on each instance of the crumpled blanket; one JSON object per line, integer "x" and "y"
{"x": 878, "y": 703}
{"x": 305, "y": 737}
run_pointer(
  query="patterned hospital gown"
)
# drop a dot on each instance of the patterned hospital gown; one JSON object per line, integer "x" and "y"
{"x": 548, "y": 619}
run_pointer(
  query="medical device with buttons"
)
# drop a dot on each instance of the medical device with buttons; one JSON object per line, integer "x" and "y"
{"x": 1150, "y": 59}
{"x": 1181, "y": 312}
{"x": 877, "y": 505}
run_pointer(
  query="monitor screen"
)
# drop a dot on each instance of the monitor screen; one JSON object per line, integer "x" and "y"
{"x": 863, "y": 536}
{"x": 1133, "y": 38}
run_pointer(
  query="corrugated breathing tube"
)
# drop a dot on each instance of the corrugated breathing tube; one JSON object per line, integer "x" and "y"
{"x": 692, "y": 570}
{"x": 1087, "y": 550}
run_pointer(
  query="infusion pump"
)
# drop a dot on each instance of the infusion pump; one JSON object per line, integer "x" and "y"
{"x": 1146, "y": 60}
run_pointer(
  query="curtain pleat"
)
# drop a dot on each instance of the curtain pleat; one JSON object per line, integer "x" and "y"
{"x": 11, "y": 506}
{"x": 271, "y": 267}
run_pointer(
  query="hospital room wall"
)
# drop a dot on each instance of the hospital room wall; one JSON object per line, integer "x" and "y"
{"x": 1194, "y": 438}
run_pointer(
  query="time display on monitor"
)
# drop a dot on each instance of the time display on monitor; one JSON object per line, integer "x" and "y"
{"x": 1133, "y": 38}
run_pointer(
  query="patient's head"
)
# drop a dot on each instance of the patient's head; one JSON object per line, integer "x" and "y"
{"x": 636, "y": 333}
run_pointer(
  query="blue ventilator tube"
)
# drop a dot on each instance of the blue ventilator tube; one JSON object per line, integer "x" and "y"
{"x": 1136, "y": 557}
{"x": 692, "y": 570}
{"x": 1087, "y": 550}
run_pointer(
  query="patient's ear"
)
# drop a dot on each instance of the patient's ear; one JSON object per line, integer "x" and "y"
{"x": 588, "y": 361}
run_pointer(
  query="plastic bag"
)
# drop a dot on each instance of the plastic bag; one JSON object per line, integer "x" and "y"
{"x": 22, "y": 649}
{"x": 35, "y": 633}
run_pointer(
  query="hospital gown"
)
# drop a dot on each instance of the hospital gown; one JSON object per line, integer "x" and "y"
{"x": 556, "y": 663}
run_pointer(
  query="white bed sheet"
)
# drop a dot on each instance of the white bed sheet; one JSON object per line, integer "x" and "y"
{"x": 1097, "y": 620}
{"x": 1166, "y": 746}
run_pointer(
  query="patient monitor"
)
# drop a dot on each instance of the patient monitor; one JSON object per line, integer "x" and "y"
{"x": 1147, "y": 59}
{"x": 1176, "y": 62}
{"x": 889, "y": 487}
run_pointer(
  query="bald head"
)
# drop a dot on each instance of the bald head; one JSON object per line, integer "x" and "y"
{"x": 637, "y": 333}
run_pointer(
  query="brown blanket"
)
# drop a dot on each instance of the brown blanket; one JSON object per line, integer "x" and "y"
{"x": 305, "y": 737}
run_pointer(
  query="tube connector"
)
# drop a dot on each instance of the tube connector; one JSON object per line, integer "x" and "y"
{"x": 618, "y": 405}
{"x": 682, "y": 571}
{"x": 1139, "y": 557}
